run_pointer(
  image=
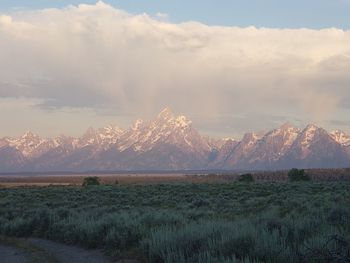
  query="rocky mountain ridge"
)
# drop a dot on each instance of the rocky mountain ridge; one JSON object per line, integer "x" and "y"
{"x": 170, "y": 142}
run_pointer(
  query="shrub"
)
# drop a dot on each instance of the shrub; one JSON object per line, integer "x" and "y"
{"x": 324, "y": 249}
{"x": 247, "y": 178}
{"x": 296, "y": 175}
{"x": 94, "y": 180}
{"x": 339, "y": 216}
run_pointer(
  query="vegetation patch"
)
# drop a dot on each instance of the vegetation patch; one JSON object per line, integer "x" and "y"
{"x": 187, "y": 222}
{"x": 246, "y": 178}
{"x": 93, "y": 180}
{"x": 296, "y": 175}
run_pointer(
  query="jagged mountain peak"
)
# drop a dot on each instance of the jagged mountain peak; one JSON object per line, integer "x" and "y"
{"x": 339, "y": 133}
{"x": 286, "y": 133}
{"x": 341, "y": 137}
{"x": 250, "y": 136}
{"x": 170, "y": 141}
{"x": 110, "y": 134}
{"x": 137, "y": 124}
{"x": 285, "y": 129}
{"x": 182, "y": 121}
{"x": 311, "y": 127}
{"x": 166, "y": 129}
{"x": 311, "y": 137}
{"x": 62, "y": 138}
{"x": 29, "y": 135}
{"x": 309, "y": 132}
{"x": 104, "y": 136}
{"x": 166, "y": 120}
{"x": 111, "y": 129}
{"x": 288, "y": 126}
{"x": 166, "y": 114}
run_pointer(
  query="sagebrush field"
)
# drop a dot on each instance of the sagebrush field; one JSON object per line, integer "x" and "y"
{"x": 189, "y": 222}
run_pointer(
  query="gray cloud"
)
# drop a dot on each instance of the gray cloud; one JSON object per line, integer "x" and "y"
{"x": 104, "y": 59}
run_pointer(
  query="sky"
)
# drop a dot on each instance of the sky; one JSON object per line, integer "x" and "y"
{"x": 260, "y": 13}
{"x": 230, "y": 66}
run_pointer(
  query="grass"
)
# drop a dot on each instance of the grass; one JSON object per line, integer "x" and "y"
{"x": 189, "y": 222}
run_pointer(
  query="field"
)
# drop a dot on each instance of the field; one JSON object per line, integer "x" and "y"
{"x": 77, "y": 180}
{"x": 16, "y": 180}
{"x": 188, "y": 219}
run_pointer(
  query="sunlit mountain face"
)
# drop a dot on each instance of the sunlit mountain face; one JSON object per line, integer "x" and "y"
{"x": 170, "y": 142}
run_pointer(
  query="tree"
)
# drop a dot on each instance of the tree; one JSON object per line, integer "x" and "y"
{"x": 246, "y": 178}
{"x": 296, "y": 175}
{"x": 93, "y": 180}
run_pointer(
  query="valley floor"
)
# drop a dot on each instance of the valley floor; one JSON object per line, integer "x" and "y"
{"x": 184, "y": 221}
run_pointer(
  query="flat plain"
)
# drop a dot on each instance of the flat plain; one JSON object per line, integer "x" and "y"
{"x": 186, "y": 218}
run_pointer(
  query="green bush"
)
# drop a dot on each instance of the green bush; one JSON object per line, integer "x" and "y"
{"x": 93, "y": 180}
{"x": 296, "y": 175}
{"x": 246, "y": 178}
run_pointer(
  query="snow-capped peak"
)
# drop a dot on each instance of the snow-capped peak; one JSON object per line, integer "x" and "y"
{"x": 250, "y": 138}
{"x": 171, "y": 142}
{"x": 308, "y": 135}
{"x": 311, "y": 127}
{"x": 341, "y": 137}
{"x": 111, "y": 130}
{"x": 110, "y": 134}
{"x": 29, "y": 135}
{"x": 28, "y": 143}
{"x": 138, "y": 123}
{"x": 104, "y": 136}
{"x": 287, "y": 126}
{"x": 286, "y": 129}
{"x": 182, "y": 122}
{"x": 166, "y": 128}
{"x": 166, "y": 114}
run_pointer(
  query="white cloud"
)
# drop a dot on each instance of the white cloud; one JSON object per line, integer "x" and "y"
{"x": 99, "y": 57}
{"x": 162, "y": 16}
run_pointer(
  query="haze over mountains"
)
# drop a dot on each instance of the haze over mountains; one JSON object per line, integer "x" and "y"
{"x": 171, "y": 142}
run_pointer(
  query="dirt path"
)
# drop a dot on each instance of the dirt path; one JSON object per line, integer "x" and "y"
{"x": 34, "y": 250}
{"x": 11, "y": 255}
{"x": 69, "y": 254}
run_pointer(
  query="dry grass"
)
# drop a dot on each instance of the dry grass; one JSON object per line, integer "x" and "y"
{"x": 317, "y": 175}
{"x": 64, "y": 180}
{"x": 260, "y": 176}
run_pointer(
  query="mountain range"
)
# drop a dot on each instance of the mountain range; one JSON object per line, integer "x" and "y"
{"x": 171, "y": 142}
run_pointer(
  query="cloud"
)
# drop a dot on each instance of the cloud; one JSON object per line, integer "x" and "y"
{"x": 105, "y": 59}
{"x": 162, "y": 16}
